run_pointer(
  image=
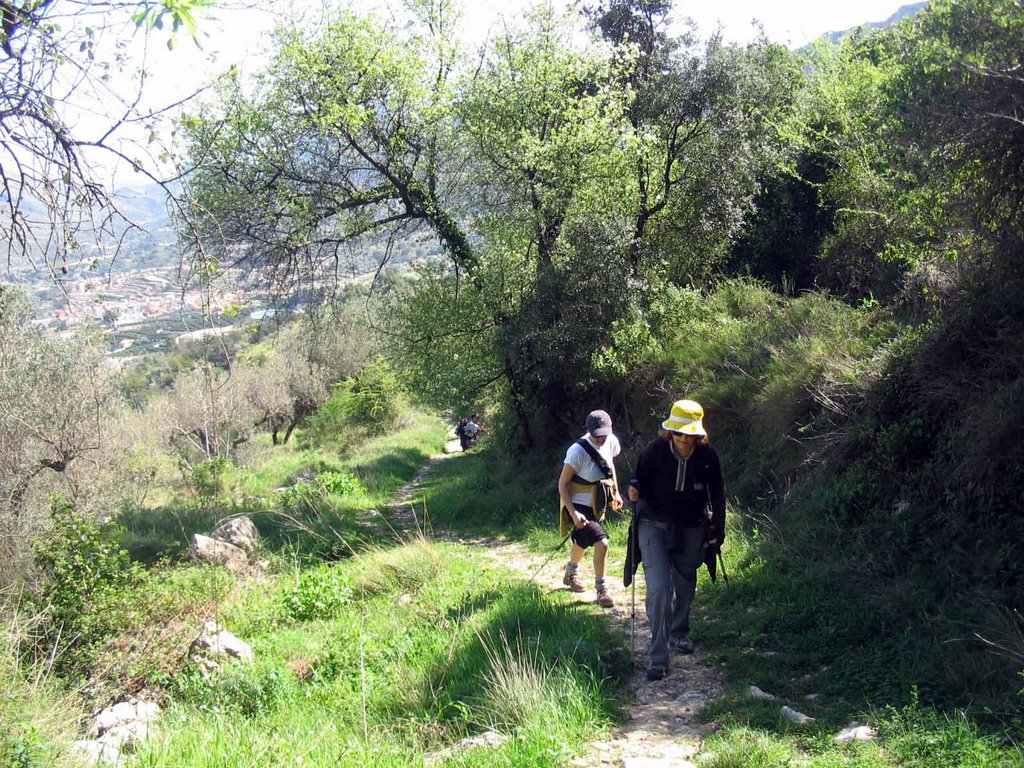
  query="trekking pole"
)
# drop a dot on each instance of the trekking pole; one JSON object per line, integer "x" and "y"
{"x": 632, "y": 596}
{"x": 553, "y": 553}
{"x": 721, "y": 562}
{"x": 632, "y": 622}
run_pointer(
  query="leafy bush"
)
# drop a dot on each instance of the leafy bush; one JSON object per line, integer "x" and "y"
{"x": 339, "y": 483}
{"x": 310, "y": 498}
{"x": 304, "y": 498}
{"x": 20, "y": 749}
{"x": 371, "y": 404}
{"x": 319, "y": 594}
{"x": 83, "y": 572}
{"x": 207, "y": 477}
{"x": 377, "y": 397}
{"x": 249, "y": 690}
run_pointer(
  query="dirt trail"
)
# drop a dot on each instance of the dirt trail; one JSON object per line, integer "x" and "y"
{"x": 661, "y": 729}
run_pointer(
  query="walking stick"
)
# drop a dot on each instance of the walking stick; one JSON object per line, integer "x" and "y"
{"x": 632, "y": 622}
{"x": 553, "y": 553}
{"x": 721, "y": 562}
{"x": 632, "y": 596}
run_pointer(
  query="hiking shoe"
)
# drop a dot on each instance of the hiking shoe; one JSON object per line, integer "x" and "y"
{"x": 572, "y": 581}
{"x": 656, "y": 671}
{"x": 604, "y": 599}
{"x": 682, "y": 644}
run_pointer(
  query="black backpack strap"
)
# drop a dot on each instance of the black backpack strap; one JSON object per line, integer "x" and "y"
{"x": 597, "y": 457}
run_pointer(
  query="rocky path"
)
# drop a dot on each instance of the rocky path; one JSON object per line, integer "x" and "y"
{"x": 661, "y": 728}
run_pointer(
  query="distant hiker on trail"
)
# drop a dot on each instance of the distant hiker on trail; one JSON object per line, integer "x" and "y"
{"x": 460, "y": 432}
{"x": 586, "y": 486}
{"x": 472, "y": 430}
{"x": 677, "y": 476}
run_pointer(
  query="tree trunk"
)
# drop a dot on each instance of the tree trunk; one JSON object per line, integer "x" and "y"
{"x": 522, "y": 417}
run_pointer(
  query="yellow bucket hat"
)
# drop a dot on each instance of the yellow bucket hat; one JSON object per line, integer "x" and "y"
{"x": 686, "y": 418}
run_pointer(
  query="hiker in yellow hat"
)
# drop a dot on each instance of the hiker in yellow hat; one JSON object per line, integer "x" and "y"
{"x": 678, "y": 476}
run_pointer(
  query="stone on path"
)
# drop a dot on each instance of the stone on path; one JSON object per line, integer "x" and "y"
{"x": 756, "y": 693}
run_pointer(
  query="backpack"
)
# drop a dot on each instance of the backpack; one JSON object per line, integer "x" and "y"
{"x": 460, "y": 430}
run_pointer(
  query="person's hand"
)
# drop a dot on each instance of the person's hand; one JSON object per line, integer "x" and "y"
{"x": 616, "y": 501}
{"x": 633, "y": 493}
{"x": 581, "y": 520}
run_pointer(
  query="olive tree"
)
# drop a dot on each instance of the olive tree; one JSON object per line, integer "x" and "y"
{"x": 56, "y": 396}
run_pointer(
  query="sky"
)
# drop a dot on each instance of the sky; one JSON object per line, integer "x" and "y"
{"x": 238, "y": 35}
{"x": 235, "y": 35}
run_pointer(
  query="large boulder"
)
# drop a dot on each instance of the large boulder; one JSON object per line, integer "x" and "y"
{"x": 214, "y": 552}
{"x": 238, "y": 531}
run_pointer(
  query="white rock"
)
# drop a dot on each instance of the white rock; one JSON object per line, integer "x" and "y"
{"x": 111, "y": 717}
{"x": 217, "y": 641}
{"x": 125, "y": 738}
{"x": 214, "y": 552}
{"x": 796, "y": 717}
{"x": 147, "y": 711}
{"x": 238, "y": 531}
{"x": 855, "y": 732}
{"x": 488, "y": 739}
{"x": 812, "y": 696}
{"x": 98, "y": 753}
{"x": 756, "y": 693}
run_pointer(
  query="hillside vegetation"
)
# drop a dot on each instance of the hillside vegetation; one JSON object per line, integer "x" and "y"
{"x": 825, "y": 248}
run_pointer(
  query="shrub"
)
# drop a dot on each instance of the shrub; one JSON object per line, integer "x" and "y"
{"x": 207, "y": 477}
{"x": 319, "y": 594}
{"x": 377, "y": 398}
{"x": 372, "y": 404}
{"x": 20, "y": 749}
{"x": 339, "y": 483}
{"x": 310, "y": 498}
{"x": 249, "y": 690}
{"x": 83, "y": 572}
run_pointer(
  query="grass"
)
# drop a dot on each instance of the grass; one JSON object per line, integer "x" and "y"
{"x": 396, "y": 650}
{"x": 36, "y": 717}
{"x": 430, "y": 647}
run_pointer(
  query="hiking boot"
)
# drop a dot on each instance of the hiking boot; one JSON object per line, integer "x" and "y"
{"x": 656, "y": 671}
{"x": 604, "y": 599}
{"x": 572, "y": 581}
{"x": 682, "y": 644}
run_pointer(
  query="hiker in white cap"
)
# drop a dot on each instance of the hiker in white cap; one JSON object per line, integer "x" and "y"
{"x": 586, "y": 486}
{"x": 678, "y": 476}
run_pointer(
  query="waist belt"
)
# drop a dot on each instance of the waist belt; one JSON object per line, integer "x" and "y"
{"x": 600, "y": 491}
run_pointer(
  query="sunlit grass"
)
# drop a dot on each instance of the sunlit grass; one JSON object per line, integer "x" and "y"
{"x": 418, "y": 657}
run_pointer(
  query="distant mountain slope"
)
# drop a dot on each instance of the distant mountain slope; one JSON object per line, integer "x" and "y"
{"x": 904, "y": 11}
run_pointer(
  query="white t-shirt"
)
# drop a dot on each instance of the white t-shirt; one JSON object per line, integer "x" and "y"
{"x": 584, "y": 466}
{"x": 470, "y": 428}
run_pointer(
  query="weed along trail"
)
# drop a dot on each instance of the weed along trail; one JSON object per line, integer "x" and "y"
{"x": 661, "y": 728}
